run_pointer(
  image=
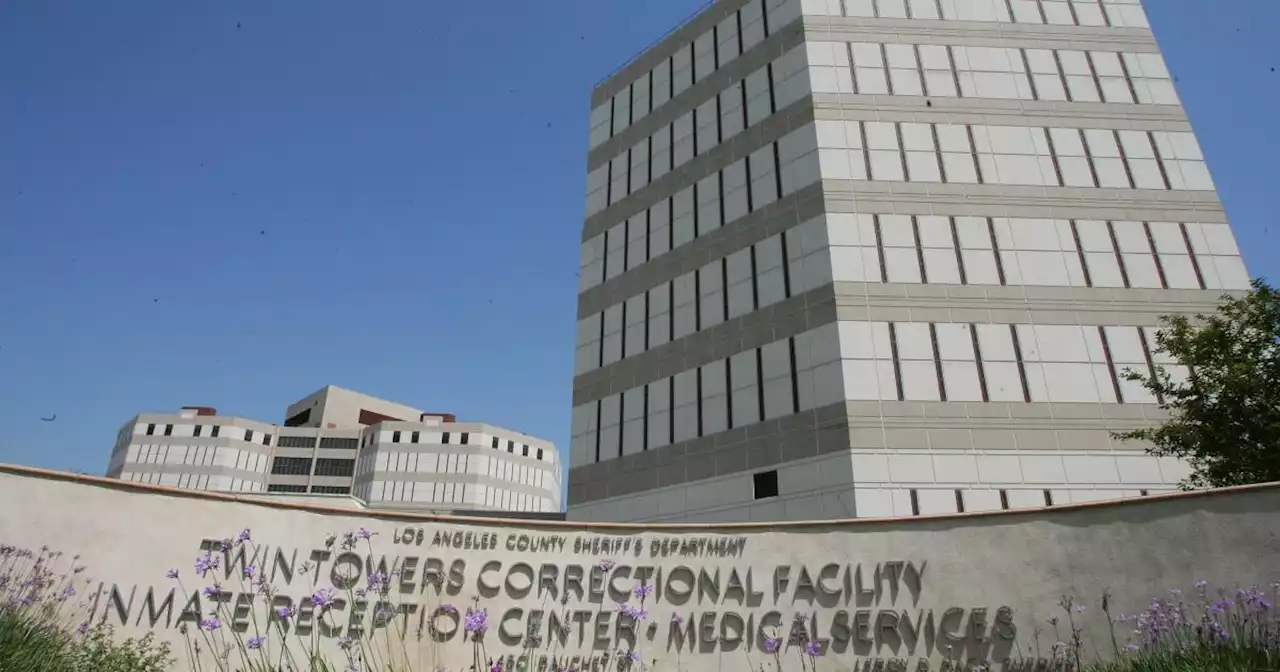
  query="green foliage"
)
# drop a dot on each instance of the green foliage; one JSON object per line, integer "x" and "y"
{"x": 29, "y": 642}
{"x": 98, "y": 652}
{"x": 1246, "y": 657}
{"x": 1225, "y": 414}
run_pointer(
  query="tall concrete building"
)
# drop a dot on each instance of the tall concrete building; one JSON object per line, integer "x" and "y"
{"x": 884, "y": 258}
{"x": 338, "y": 442}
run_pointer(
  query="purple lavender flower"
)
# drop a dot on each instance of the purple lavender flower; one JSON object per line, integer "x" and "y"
{"x": 286, "y": 613}
{"x": 496, "y": 667}
{"x": 636, "y": 613}
{"x": 212, "y": 591}
{"x": 206, "y": 563}
{"x": 225, "y": 545}
{"x": 448, "y": 609}
{"x": 476, "y": 622}
{"x": 345, "y": 643}
{"x": 771, "y": 644}
{"x": 605, "y": 565}
{"x": 255, "y": 642}
{"x": 364, "y": 533}
{"x": 677, "y": 619}
{"x": 210, "y": 624}
{"x": 1253, "y": 599}
{"x": 323, "y": 599}
{"x": 814, "y": 649}
{"x": 244, "y": 536}
{"x": 643, "y": 590}
{"x": 67, "y": 592}
{"x": 83, "y": 628}
{"x": 379, "y": 582}
{"x": 172, "y": 574}
{"x": 249, "y": 571}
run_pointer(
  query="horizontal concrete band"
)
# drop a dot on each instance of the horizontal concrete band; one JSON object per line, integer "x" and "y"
{"x": 795, "y": 208}
{"x": 1002, "y": 200}
{"x": 999, "y": 112}
{"x": 344, "y": 481}
{"x": 202, "y": 442}
{"x": 707, "y": 88}
{"x": 862, "y": 29}
{"x": 911, "y": 109}
{"x": 472, "y": 479}
{"x": 795, "y": 116}
{"x": 193, "y": 469}
{"x": 456, "y": 430}
{"x": 499, "y": 454}
{"x": 846, "y": 426}
{"x": 229, "y": 423}
{"x": 318, "y": 453}
{"x": 978, "y": 34}
{"x": 978, "y": 304}
{"x": 753, "y": 330}
{"x": 994, "y": 304}
{"x": 680, "y": 38}
{"x": 295, "y": 479}
{"x": 904, "y": 198}
{"x": 888, "y": 31}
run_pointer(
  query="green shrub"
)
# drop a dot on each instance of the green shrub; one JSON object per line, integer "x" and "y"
{"x": 39, "y": 604}
{"x": 1249, "y": 657}
{"x": 27, "y": 644}
{"x": 98, "y": 652}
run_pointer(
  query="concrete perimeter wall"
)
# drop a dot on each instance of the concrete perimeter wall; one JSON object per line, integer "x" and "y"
{"x": 908, "y": 593}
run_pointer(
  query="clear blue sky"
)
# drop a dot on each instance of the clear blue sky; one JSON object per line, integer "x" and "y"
{"x": 234, "y": 203}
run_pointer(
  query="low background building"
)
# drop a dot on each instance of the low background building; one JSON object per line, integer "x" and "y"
{"x": 337, "y": 442}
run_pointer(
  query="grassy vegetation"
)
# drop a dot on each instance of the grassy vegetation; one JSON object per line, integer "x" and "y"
{"x": 29, "y": 641}
{"x": 1206, "y": 629}
{"x": 1247, "y": 657}
{"x": 42, "y": 623}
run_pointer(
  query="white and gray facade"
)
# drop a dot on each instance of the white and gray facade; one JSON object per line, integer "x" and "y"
{"x": 884, "y": 258}
{"x": 336, "y": 442}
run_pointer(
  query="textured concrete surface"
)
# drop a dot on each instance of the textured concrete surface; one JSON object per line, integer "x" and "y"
{"x": 915, "y": 591}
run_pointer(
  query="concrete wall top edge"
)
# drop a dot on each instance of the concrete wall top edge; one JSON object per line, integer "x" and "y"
{"x": 1063, "y": 511}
